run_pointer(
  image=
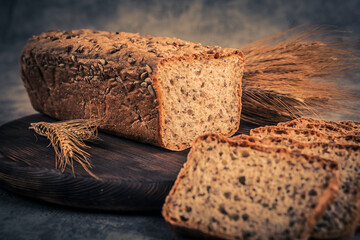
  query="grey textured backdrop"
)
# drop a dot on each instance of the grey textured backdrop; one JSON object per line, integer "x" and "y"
{"x": 224, "y": 23}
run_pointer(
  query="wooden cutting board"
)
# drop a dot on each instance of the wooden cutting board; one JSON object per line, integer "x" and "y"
{"x": 134, "y": 176}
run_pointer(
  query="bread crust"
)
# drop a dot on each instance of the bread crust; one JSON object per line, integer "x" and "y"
{"x": 326, "y": 198}
{"x": 288, "y": 131}
{"x": 256, "y": 140}
{"x": 326, "y": 126}
{"x": 86, "y": 73}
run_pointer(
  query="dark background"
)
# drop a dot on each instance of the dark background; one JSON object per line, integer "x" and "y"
{"x": 224, "y": 23}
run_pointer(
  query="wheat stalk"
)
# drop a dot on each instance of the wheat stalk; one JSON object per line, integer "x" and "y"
{"x": 297, "y": 73}
{"x": 67, "y": 138}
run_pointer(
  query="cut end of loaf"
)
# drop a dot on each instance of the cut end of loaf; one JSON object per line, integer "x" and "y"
{"x": 236, "y": 190}
{"x": 199, "y": 96}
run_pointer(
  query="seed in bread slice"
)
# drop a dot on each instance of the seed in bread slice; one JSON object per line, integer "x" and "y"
{"x": 237, "y": 190}
{"x": 342, "y": 216}
{"x": 303, "y": 135}
{"x": 323, "y": 126}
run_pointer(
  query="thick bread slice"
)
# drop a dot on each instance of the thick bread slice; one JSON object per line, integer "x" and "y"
{"x": 323, "y": 126}
{"x": 303, "y": 135}
{"x": 341, "y": 218}
{"x": 158, "y": 90}
{"x": 237, "y": 190}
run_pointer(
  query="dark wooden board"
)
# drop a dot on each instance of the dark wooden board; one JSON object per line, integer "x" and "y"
{"x": 134, "y": 176}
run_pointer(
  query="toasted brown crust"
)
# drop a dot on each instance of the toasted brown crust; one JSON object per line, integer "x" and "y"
{"x": 83, "y": 73}
{"x": 288, "y": 131}
{"x": 326, "y": 126}
{"x": 353, "y": 124}
{"x": 326, "y": 198}
{"x": 256, "y": 140}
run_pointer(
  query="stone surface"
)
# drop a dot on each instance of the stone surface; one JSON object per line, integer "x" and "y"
{"x": 22, "y": 218}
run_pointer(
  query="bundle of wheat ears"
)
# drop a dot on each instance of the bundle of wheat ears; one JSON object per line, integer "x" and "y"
{"x": 296, "y": 73}
{"x": 299, "y": 72}
{"x": 67, "y": 138}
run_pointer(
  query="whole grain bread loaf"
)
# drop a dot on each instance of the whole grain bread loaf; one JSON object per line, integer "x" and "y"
{"x": 239, "y": 190}
{"x": 324, "y": 126}
{"x": 304, "y": 135}
{"x": 158, "y": 90}
{"x": 342, "y": 216}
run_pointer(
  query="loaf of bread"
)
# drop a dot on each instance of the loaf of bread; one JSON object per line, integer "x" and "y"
{"x": 238, "y": 190}
{"x": 324, "y": 126}
{"x": 162, "y": 91}
{"x": 341, "y": 218}
{"x": 304, "y": 135}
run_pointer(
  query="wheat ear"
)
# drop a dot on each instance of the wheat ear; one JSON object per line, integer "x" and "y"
{"x": 67, "y": 138}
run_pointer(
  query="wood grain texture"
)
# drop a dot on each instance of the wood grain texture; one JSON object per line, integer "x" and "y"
{"x": 134, "y": 176}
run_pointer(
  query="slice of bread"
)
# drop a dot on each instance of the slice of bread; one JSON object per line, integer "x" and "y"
{"x": 303, "y": 135}
{"x": 323, "y": 126}
{"x": 341, "y": 218}
{"x": 238, "y": 190}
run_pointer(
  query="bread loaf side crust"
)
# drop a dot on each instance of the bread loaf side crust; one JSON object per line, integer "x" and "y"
{"x": 82, "y": 74}
{"x": 86, "y": 73}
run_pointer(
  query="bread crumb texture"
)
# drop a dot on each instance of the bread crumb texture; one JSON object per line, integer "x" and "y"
{"x": 199, "y": 97}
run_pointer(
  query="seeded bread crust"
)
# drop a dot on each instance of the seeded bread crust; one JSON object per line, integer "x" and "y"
{"x": 353, "y": 124}
{"x": 326, "y": 197}
{"x": 303, "y": 135}
{"x": 340, "y": 221}
{"x": 86, "y": 73}
{"x": 292, "y": 144}
{"x": 323, "y": 126}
